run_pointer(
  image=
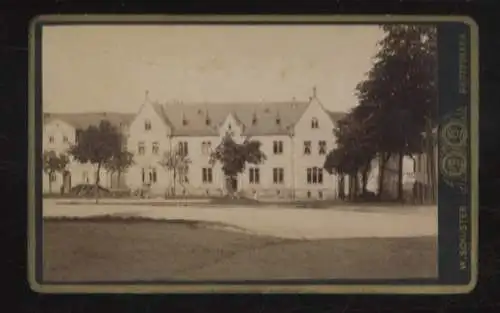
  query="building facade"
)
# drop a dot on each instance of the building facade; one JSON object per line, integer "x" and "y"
{"x": 295, "y": 136}
{"x": 60, "y": 132}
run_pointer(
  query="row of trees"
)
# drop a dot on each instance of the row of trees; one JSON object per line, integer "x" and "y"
{"x": 397, "y": 104}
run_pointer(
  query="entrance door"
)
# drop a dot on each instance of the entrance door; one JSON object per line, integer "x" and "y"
{"x": 66, "y": 182}
{"x": 234, "y": 183}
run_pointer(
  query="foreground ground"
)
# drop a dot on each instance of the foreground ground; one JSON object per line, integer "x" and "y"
{"x": 335, "y": 221}
{"x": 118, "y": 250}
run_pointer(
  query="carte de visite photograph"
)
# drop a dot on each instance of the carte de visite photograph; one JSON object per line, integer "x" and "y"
{"x": 172, "y": 154}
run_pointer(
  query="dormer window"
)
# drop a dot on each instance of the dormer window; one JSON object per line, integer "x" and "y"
{"x": 314, "y": 123}
{"x": 147, "y": 125}
{"x": 229, "y": 127}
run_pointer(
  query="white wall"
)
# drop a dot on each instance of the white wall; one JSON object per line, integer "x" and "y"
{"x": 304, "y": 132}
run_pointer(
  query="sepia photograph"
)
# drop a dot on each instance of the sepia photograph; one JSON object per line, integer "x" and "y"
{"x": 237, "y": 153}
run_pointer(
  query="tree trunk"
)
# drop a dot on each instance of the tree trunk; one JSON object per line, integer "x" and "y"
{"x": 400, "y": 177}
{"x": 97, "y": 181}
{"x": 365, "y": 179}
{"x": 356, "y": 185}
{"x": 341, "y": 187}
{"x": 381, "y": 173}
{"x": 50, "y": 182}
{"x": 175, "y": 180}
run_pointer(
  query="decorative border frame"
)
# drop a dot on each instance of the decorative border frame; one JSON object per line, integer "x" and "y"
{"x": 458, "y": 158}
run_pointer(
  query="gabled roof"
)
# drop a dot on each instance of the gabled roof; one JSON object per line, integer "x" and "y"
{"x": 266, "y": 115}
{"x": 84, "y": 120}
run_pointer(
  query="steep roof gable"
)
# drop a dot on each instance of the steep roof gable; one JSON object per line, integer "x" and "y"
{"x": 256, "y": 118}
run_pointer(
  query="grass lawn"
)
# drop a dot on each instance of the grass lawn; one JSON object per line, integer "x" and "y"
{"x": 141, "y": 250}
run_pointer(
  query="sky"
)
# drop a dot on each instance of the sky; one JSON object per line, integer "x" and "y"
{"x": 111, "y": 68}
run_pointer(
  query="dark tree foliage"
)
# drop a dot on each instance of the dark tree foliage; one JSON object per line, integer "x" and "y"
{"x": 397, "y": 104}
{"x": 234, "y": 156}
{"x": 101, "y": 146}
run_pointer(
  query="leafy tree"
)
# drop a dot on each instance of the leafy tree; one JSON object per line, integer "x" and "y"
{"x": 177, "y": 163}
{"x": 119, "y": 163}
{"x": 53, "y": 163}
{"x": 98, "y": 145}
{"x": 401, "y": 92}
{"x": 354, "y": 152}
{"x": 233, "y": 157}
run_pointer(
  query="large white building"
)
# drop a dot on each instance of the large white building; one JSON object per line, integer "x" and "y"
{"x": 295, "y": 136}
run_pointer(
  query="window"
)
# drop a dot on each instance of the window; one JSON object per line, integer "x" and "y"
{"x": 206, "y": 175}
{"x": 52, "y": 177}
{"x": 183, "y": 148}
{"x": 308, "y": 194}
{"x": 65, "y": 139}
{"x": 153, "y": 176}
{"x": 85, "y": 177}
{"x": 315, "y": 175}
{"x": 51, "y": 139}
{"x": 322, "y": 147}
{"x": 278, "y": 121}
{"x": 307, "y": 147}
{"x": 147, "y": 125}
{"x": 314, "y": 123}
{"x": 207, "y": 121}
{"x": 278, "y": 175}
{"x": 254, "y": 175}
{"x": 278, "y": 147}
{"x": 206, "y": 147}
{"x": 143, "y": 175}
{"x": 141, "y": 148}
{"x": 156, "y": 148}
{"x": 320, "y": 194}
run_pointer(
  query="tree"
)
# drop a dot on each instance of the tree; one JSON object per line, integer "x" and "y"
{"x": 119, "y": 163}
{"x": 98, "y": 145}
{"x": 177, "y": 163}
{"x": 355, "y": 150}
{"x": 233, "y": 157}
{"x": 54, "y": 163}
{"x": 401, "y": 91}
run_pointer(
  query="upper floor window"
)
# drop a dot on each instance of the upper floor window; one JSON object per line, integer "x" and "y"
{"x": 254, "y": 175}
{"x": 206, "y": 147}
{"x": 51, "y": 139}
{"x": 307, "y": 147}
{"x": 315, "y": 175}
{"x": 206, "y": 175}
{"x": 156, "y": 148}
{"x": 183, "y": 148}
{"x": 322, "y": 147}
{"x": 278, "y": 147}
{"x": 141, "y": 148}
{"x": 278, "y": 175}
{"x": 147, "y": 125}
{"x": 52, "y": 177}
{"x": 65, "y": 139}
{"x": 314, "y": 123}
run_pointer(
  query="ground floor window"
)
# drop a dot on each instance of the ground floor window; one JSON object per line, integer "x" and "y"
{"x": 314, "y": 175}
{"x": 254, "y": 175}
{"x": 149, "y": 175}
{"x": 206, "y": 174}
{"x": 278, "y": 175}
{"x": 52, "y": 177}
